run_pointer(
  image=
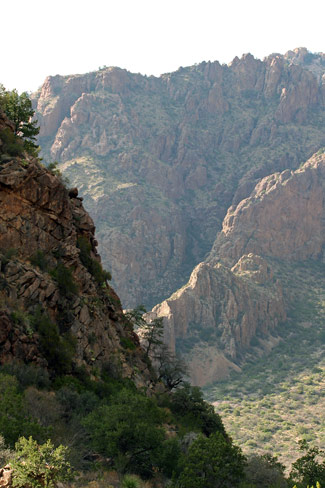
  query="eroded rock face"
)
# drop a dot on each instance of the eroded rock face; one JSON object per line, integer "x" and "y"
{"x": 42, "y": 274}
{"x": 160, "y": 160}
{"x": 282, "y": 218}
{"x": 213, "y": 319}
{"x": 234, "y": 297}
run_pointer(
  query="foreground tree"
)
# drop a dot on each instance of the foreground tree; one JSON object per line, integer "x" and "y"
{"x": 129, "y": 431}
{"x": 310, "y": 468}
{"x": 211, "y": 462}
{"x": 39, "y": 466}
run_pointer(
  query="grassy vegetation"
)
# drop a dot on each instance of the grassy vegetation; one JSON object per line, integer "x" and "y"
{"x": 279, "y": 399}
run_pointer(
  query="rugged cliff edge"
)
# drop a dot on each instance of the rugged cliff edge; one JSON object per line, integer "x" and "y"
{"x": 233, "y": 302}
{"x": 160, "y": 160}
{"x": 56, "y": 308}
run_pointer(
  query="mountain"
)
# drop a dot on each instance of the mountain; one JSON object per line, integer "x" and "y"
{"x": 56, "y": 310}
{"x": 160, "y": 160}
{"x": 240, "y": 296}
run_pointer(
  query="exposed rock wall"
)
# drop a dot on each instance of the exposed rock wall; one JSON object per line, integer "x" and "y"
{"x": 40, "y": 217}
{"x": 213, "y": 319}
{"x": 160, "y": 160}
{"x": 282, "y": 218}
{"x": 233, "y": 298}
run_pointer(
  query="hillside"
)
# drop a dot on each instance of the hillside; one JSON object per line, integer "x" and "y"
{"x": 160, "y": 160}
{"x": 56, "y": 308}
{"x": 238, "y": 298}
{"x": 78, "y": 392}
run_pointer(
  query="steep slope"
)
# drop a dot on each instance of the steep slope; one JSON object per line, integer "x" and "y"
{"x": 235, "y": 296}
{"x": 159, "y": 160}
{"x": 55, "y": 308}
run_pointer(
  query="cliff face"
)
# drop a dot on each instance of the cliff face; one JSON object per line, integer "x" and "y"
{"x": 234, "y": 301}
{"x": 53, "y": 296}
{"x": 159, "y": 160}
{"x": 216, "y": 317}
{"x": 282, "y": 218}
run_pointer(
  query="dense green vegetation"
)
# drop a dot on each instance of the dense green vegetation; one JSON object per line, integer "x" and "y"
{"x": 169, "y": 435}
{"x": 19, "y": 110}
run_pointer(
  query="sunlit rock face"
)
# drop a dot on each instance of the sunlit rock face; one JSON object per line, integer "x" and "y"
{"x": 160, "y": 160}
{"x": 43, "y": 227}
{"x": 234, "y": 296}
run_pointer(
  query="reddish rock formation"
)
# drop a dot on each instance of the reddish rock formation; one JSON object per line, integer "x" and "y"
{"x": 159, "y": 160}
{"x": 282, "y": 218}
{"x": 214, "y": 318}
{"x": 41, "y": 227}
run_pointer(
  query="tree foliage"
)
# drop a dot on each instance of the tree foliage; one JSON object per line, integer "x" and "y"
{"x": 309, "y": 468}
{"x": 211, "y": 462}
{"x": 188, "y": 405}
{"x": 128, "y": 430}
{"x": 19, "y": 110}
{"x": 262, "y": 471}
{"x": 39, "y": 466}
{"x": 14, "y": 420}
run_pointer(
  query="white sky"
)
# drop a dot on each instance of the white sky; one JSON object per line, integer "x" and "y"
{"x": 45, "y": 37}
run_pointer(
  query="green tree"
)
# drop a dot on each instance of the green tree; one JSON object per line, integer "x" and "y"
{"x": 14, "y": 420}
{"x": 264, "y": 471}
{"x": 129, "y": 431}
{"x": 19, "y": 110}
{"x": 211, "y": 462}
{"x": 192, "y": 410}
{"x": 309, "y": 468}
{"x": 39, "y": 466}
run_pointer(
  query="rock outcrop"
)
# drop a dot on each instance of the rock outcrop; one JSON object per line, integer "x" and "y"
{"x": 50, "y": 273}
{"x": 160, "y": 160}
{"x": 282, "y": 218}
{"x": 233, "y": 301}
{"x": 215, "y": 317}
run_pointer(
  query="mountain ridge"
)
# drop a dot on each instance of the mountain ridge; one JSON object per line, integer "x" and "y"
{"x": 160, "y": 160}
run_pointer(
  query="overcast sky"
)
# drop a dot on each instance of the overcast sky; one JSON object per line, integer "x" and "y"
{"x": 45, "y": 37}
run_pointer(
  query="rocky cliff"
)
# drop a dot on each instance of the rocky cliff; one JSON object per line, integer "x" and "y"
{"x": 56, "y": 308}
{"x": 160, "y": 160}
{"x": 234, "y": 301}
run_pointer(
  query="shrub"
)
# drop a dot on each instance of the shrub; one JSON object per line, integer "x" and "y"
{"x": 194, "y": 412}
{"x": 129, "y": 430}
{"x": 11, "y": 144}
{"x": 7, "y": 257}
{"x": 92, "y": 265}
{"x": 14, "y": 421}
{"x": 131, "y": 481}
{"x": 39, "y": 466}
{"x": 127, "y": 343}
{"x": 39, "y": 259}
{"x": 264, "y": 471}
{"x": 63, "y": 277}
{"x": 211, "y": 462}
{"x": 309, "y": 468}
{"x": 57, "y": 349}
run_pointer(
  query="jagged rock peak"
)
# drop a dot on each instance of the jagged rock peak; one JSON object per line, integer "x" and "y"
{"x": 282, "y": 218}
{"x": 160, "y": 160}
